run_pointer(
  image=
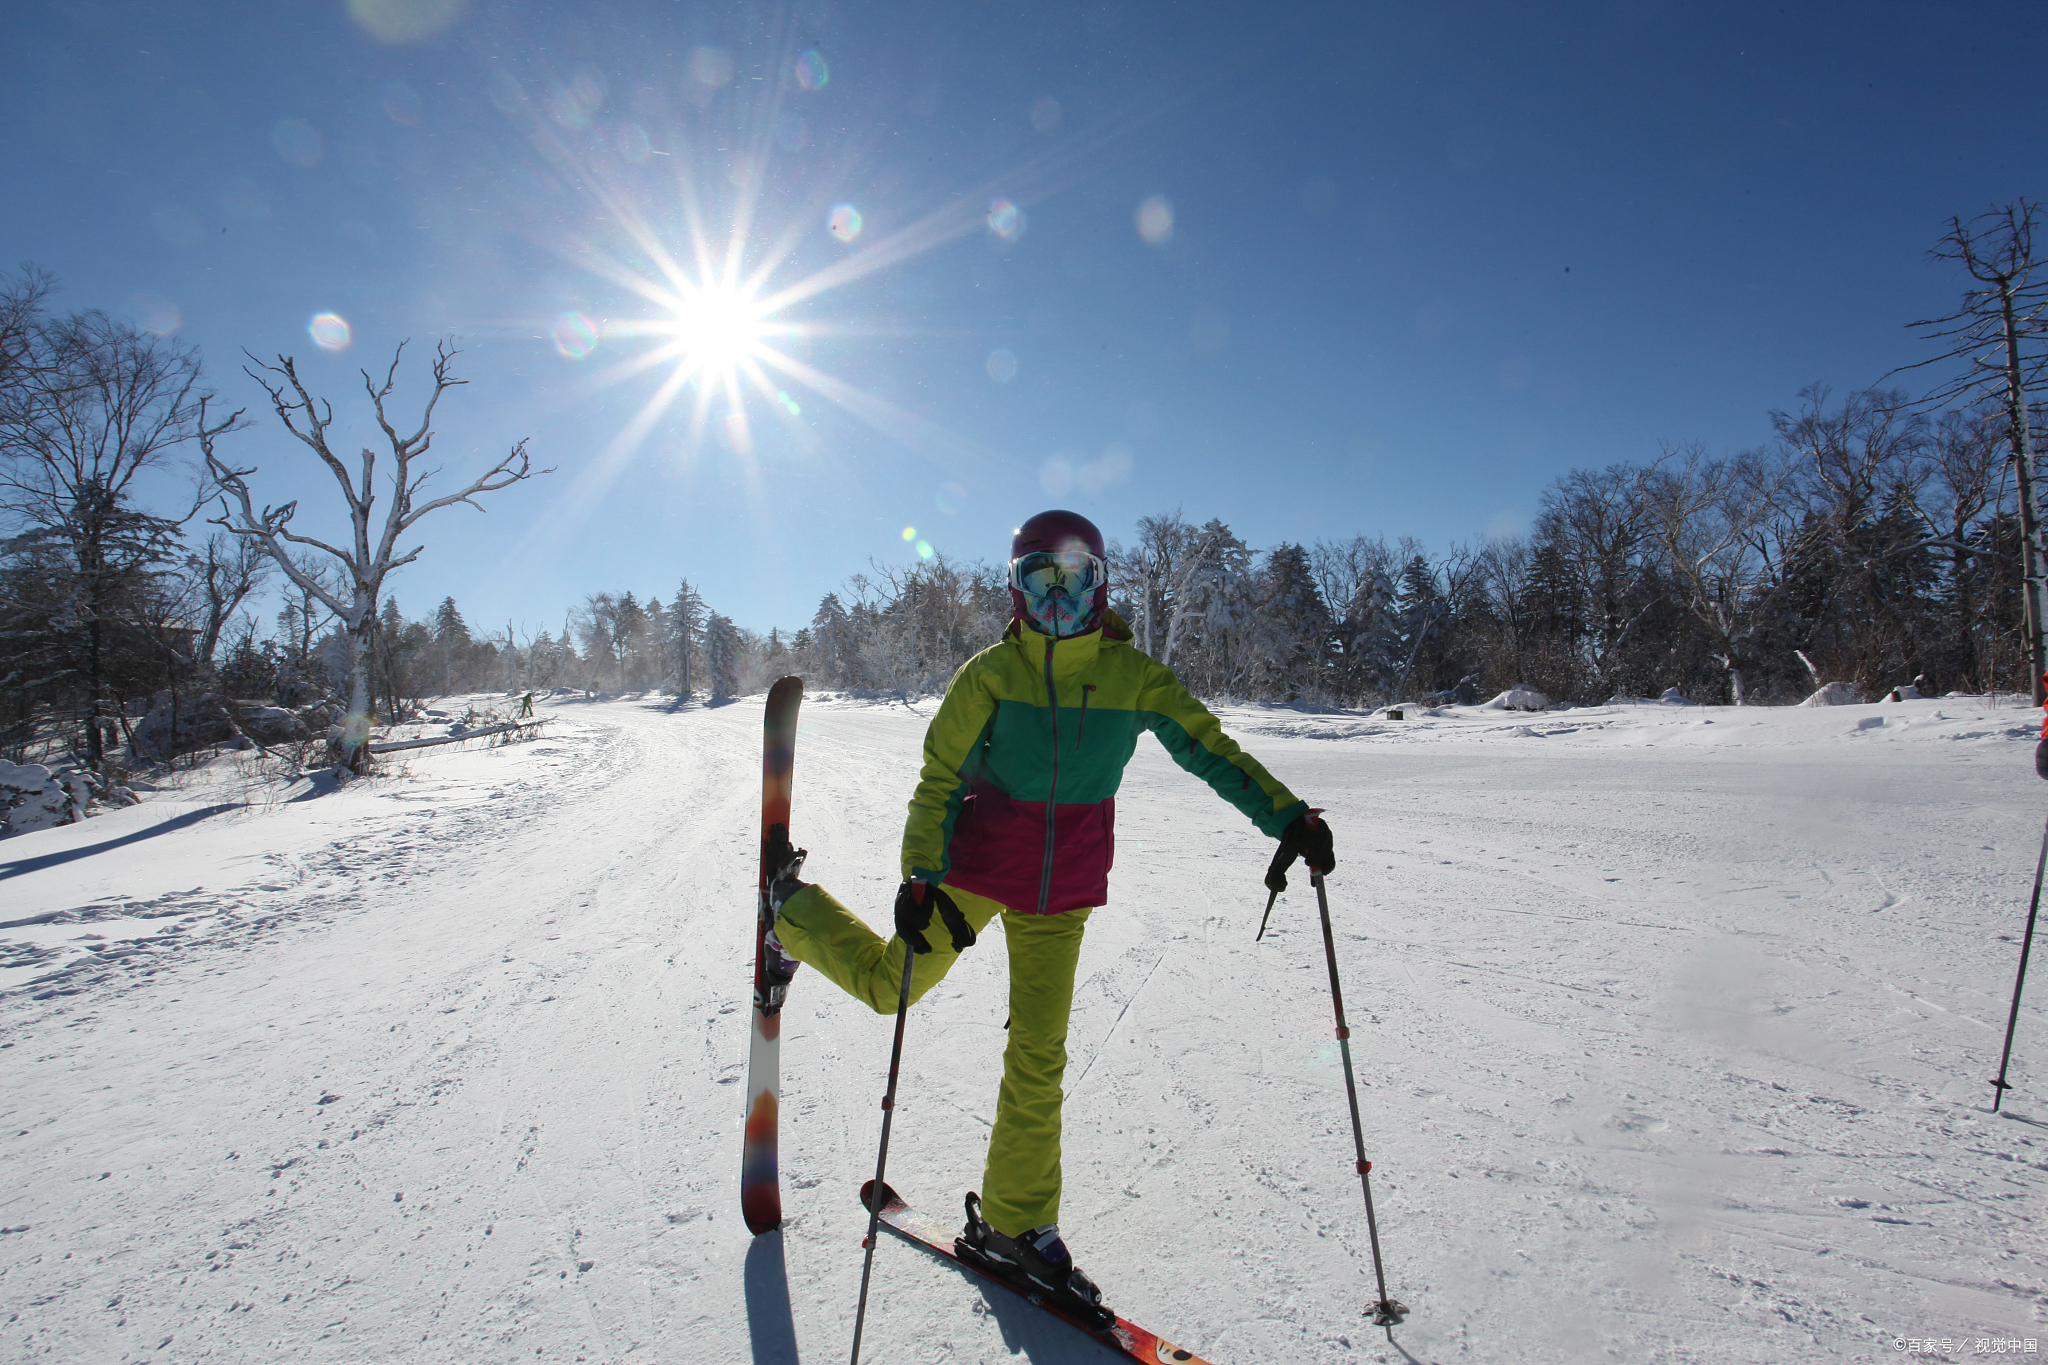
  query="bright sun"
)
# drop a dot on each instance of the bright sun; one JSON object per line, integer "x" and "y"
{"x": 717, "y": 328}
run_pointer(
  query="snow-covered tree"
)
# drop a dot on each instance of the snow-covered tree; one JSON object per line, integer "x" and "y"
{"x": 723, "y": 655}
{"x": 685, "y": 632}
{"x": 832, "y": 645}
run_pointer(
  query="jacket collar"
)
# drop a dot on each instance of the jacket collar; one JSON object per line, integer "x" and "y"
{"x": 1071, "y": 654}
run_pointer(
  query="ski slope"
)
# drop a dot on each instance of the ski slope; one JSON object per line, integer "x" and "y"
{"x": 1674, "y": 1025}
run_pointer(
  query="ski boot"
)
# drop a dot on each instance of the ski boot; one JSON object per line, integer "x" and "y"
{"x": 777, "y": 966}
{"x": 1036, "y": 1261}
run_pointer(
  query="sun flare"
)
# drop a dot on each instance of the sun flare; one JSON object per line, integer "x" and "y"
{"x": 716, "y": 329}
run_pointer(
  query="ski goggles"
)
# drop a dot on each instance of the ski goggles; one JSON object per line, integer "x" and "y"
{"x": 1076, "y": 571}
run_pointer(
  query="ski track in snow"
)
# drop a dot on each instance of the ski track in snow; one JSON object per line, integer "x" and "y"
{"x": 1673, "y": 1028}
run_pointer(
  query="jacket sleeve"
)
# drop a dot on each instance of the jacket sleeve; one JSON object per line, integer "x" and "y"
{"x": 957, "y": 732}
{"x": 1196, "y": 740}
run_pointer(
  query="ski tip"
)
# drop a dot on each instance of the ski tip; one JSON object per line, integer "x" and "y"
{"x": 889, "y": 1195}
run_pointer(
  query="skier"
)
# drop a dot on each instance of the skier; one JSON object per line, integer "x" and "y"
{"x": 1012, "y": 817}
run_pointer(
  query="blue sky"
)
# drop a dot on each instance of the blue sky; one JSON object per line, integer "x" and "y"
{"x": 1420, "y": 260}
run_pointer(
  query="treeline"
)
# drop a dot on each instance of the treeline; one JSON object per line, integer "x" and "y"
{"x": 1875, "y": 541}
{"x": 1867, "y": 544}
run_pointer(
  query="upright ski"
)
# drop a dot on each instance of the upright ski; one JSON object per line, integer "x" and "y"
{"x": 760, "y": 1180}
{"x": 1118, "y": 1333}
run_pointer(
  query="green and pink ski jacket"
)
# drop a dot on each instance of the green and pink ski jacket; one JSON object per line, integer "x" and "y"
{"x": 1017, "y": 800}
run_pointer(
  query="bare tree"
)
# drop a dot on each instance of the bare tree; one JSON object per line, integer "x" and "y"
{"x": 2000, "y": 334}
{"x": 87, "y": 405}
{"x": 372, "y": 552}
{"x": 1594, "y": 520}
{"x": 1723, "y": 528}
{"x": 224, "y": 573}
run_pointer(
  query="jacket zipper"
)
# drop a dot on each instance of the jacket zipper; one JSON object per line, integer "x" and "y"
{"x": 1052, "y": 698}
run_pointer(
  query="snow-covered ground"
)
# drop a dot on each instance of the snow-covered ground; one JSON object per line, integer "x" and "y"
{"x": 1674, "y": 1023}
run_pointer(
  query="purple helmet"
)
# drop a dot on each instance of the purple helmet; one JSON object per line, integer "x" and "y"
{"x": 1059, "y": 575}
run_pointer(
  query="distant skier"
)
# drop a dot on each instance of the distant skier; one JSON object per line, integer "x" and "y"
{"x": 526, "y": 706}
{"x": 1013, "y": 816}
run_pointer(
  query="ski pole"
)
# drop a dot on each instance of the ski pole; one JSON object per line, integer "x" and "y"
{"x": 1386, "y": 1312}
{"x": 882, "y": 1158}
{"x": 1999, "y": 1087}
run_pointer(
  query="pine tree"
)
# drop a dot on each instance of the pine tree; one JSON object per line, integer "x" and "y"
{"x": 722, "y": 655}
{"x": 832, "y": 643}
{"x": 1294, "y": 626}
{"x": 685, "y": 627}
{"x": 451, "y": 642}
{"x": 629, "y": 624}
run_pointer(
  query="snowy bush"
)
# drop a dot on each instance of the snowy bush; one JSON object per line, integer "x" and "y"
{"x": 32, "y": 797}
{"x": 1520, "y": 697}
{"x": 1835, "y": 694}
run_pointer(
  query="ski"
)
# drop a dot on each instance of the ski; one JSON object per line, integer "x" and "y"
{"x": 760, "y": 1178}
{"x": 1119, "y": 1334}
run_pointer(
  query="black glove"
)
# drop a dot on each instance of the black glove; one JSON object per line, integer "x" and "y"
{"x": 2041, "y": 757}
{"x": 1307, "y": 837}
{"x": 914, "y": 902}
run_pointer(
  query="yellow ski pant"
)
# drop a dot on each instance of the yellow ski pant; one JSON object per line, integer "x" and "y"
{"x": 1020, "y": 1187}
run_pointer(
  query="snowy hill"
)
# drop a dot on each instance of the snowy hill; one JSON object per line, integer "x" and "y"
{"x": 1675, "y": 1026}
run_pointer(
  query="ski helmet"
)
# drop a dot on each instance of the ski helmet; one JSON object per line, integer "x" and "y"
{"x": 1058, "y": 613}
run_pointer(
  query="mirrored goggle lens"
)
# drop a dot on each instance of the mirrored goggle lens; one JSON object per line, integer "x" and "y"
{"x": 1038, "y": 574}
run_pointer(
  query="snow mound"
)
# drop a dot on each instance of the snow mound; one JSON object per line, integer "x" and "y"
{"x": 32, "y": 797}
{"x": 1520, "y": 697}
{"x": 1671, "y": 696}
{"x": 1835, "y": 694}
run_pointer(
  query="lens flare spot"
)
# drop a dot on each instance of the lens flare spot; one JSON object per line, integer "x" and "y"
{"x": 1155, "y": 220}
{"x": 155, "y": 314}
{"x": 1045, "y": 114}
{"x": 951, "y": 497}
{"x": 575, "y": 335}
{"x": 396, "y": 22}
{"x": 631, "y": 140}
{"x": 710, "y": 66}
{"x": 329, "y": 331}
{"x": 789, "y": 404}
{"x": 401, "y": 103}
{"x": 298, "y": 141}
{"x": 505, "y": 91}
{"x": 811, "y": 71}
{"x": 1005, "y": 220}
{"x": 843, "y": 222}
{"x": 737, "y": 433}
{"x": 575, "y": 105}
{"x": 1056, "y": 475}
{"x": 1002, "y": 365}
{"x": 909, "y": 533}
{"x": 925, "y": 550}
